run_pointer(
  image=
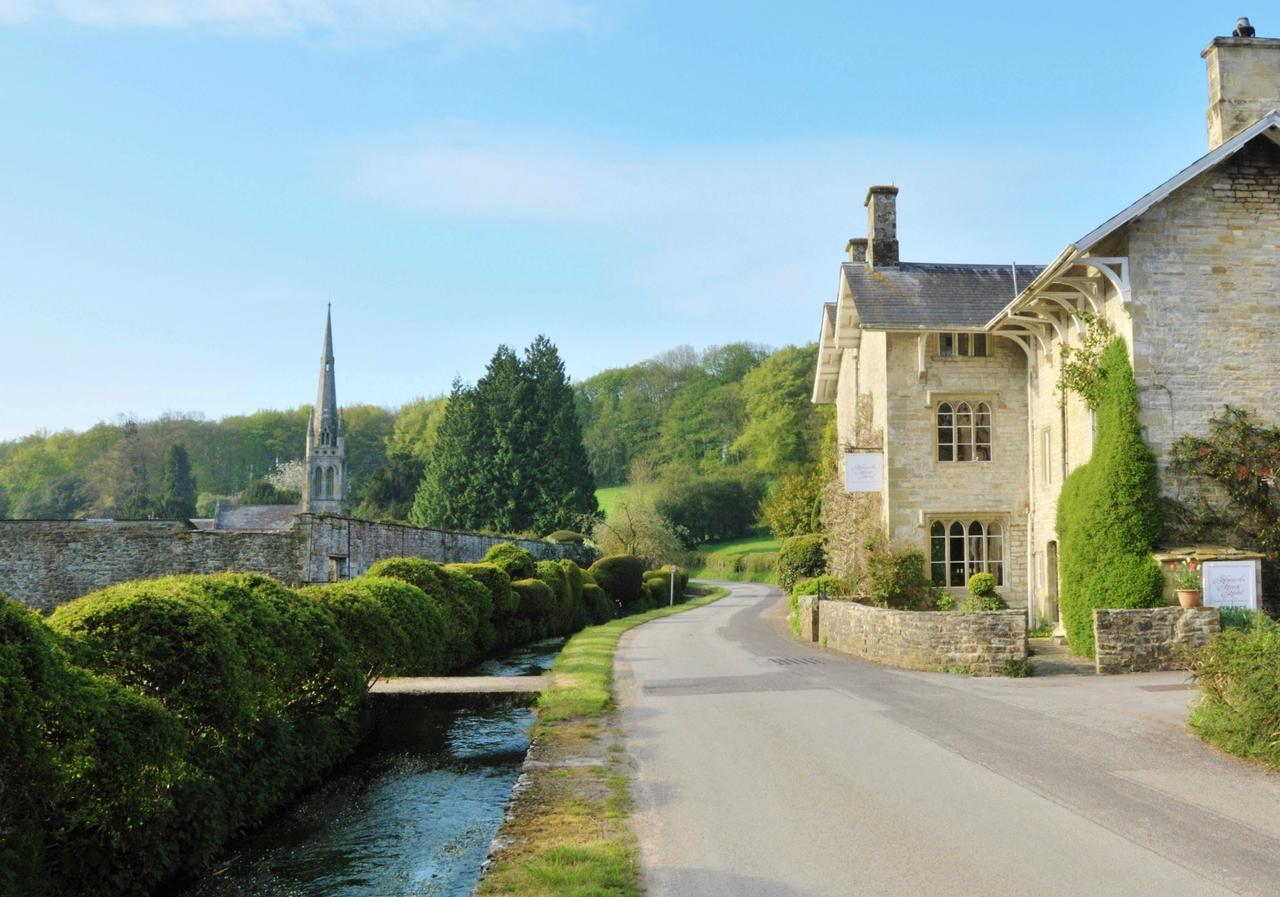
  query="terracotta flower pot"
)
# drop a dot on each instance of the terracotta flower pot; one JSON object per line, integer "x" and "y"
{"x": 1189, "y": 597}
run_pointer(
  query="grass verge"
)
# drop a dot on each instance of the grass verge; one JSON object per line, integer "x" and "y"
{"x": 566, "y": 832}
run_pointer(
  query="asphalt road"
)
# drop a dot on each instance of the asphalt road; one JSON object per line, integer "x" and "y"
{"x": 767, "y": 766}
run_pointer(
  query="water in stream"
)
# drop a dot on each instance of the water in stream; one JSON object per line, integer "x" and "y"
{"x": 413, "y": 816}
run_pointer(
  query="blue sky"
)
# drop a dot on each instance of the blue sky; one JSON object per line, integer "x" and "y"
{"x": 184, "y": 184}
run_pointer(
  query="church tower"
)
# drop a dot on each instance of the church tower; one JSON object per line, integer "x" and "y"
{"x": 326, "y": 472}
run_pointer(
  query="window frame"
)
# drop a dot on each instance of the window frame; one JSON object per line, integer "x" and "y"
{"x": 963, "y": 430}
{"x": 952, "y": 344}
{"x": 957, "y": 534}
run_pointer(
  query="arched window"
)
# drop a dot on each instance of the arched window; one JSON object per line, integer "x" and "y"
{"x": 959, "y": 549}
{"x": 328, "y": 484}
{"x": 317, "y": 484}
{"x": 964, "y": 432}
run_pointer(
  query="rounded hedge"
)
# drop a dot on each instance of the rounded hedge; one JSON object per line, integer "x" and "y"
{"x": 982, "y": 585}
{"x": 537, "y": 605}
{"x": 567, "y": 537}
{"x": 515, "y": 561}
{"x": 597, "y": 603}
{"x": 462, "y": 620}
{"x": 622, "y": 576}
{"x": 801, "y": 557}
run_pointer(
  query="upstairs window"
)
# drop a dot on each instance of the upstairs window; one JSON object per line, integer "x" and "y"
{"x": 955, "y": 345}
{"x": 964, "y": 431}
{"x": 959, "y": 548}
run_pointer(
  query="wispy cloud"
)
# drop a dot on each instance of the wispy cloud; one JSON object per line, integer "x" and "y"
{"x": 501, "y": 19}
{"x": 735, "y": 226}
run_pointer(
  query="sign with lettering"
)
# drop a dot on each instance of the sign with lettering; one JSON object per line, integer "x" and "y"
{"x": 1231, "y": 584}
{"x": 863, "y": 471}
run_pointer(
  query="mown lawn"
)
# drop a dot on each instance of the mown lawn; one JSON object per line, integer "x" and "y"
{"x": 608, "y": 497}
{"x": 749, "y": 559}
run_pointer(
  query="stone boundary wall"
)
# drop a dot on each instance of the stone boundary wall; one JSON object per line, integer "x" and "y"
{"x": 45, "y": 563}
{"x": 807, "y": 613}
{"x": 925, "y": 640}
{"x": 1151, "y": 638}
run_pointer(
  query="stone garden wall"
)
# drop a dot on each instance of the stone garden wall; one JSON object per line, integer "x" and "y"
{"x": 45, "y": 563}
{"x": 981, "y": 643}
{"x": 807, "y": 614}
{"x": 1151, "y": 638}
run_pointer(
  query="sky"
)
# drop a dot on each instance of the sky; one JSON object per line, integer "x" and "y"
{"x": 186, "y": 184}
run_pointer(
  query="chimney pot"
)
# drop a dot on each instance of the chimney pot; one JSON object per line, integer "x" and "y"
{"x": 882, "y": 227}
{"x": 857, "y": 249}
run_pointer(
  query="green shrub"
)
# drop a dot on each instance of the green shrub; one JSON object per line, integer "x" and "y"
{"x": 536, "y": 605}
{"x": 513, "y": 560}
{"x": 831, "y": 586}
{"x": 574, "y": 581}
{"x": 567, "y": 537}
{"x": 1015, "y": 668}
{"x": 622, "y": 576}
{"x": 709, "y": 508}
{"x": 1239, "y": 679}
{"x": 599, "y": 605}
{"x": 978, "y": 603}
{"x": 225, "y": 695}
{"x": 1237, "y": 617}
{"x": 794, "y": 504}
{"x": 801, "y": 557}
{"x": 463, "y": 620}
{"x": 377, "y": 645}
{"x": 1108, "y": 511}
{"x": 564, "y": 617}
{"x": 501, "y": 599}
{"x": 944, "y": 601}
{"x": 982, "y": 585}
{"x": 896, "y": 579}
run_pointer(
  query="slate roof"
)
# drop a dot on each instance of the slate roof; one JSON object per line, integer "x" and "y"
{"x": 923, "y": 296}
{"x": 256, "y": 517}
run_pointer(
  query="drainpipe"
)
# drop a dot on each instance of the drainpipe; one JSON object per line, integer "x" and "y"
{"x": 1031, "y": 493}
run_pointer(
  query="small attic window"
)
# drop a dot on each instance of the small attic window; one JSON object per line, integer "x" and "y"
{"x": 967, "y": 345}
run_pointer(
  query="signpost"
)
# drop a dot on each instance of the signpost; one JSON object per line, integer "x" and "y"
{"x": 863, "y": 471}
{"x": 1231, "y": 583}
{"x": 673, "y": 586}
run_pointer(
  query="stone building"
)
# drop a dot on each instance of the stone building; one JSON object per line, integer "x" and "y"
{"x": 944, "y": 376}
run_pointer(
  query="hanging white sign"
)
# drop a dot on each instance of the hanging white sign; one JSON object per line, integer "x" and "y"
{"x": 1231, "y": 583}
{"x": 863, "y": 471}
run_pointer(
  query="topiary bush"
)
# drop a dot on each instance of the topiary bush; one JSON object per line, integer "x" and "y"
{"x": 801, "y": 557}
{"x": 896, "y": 579}
{"x": 564, "y": 615}
{"x": 462, "y": 642}
{"x": 982, "y": 595}
{"x": 536, "y": 605}
{"x": 501, "y": 599}
{"x": 513, "y": 560}
{"x": 1239, "y": 679}
{"x": 567, "y": 537}
{"x": 622, "y": 577}
{"x": 1108, "y": 512}
{"x": 599, "y": 605}
{"x": 574, "y": 582}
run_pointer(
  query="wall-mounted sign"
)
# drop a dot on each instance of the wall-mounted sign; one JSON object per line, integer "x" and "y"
{"x": 1231, "y": 583}
{"x": 863, "y": 471}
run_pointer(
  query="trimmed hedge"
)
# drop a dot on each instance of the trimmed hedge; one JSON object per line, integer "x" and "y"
{"x": 501, "y": 599}
{"x": 622, "y": 576}
{"x": 1108, "y": 511}
{"x": 799, "y": 558}
{"x": 512, "y": 560}
{"x": 536, "y": 607}
{"x": 462, "y": 618}
{"x": 833, "y": 586}
{"x": 598, "y": 604}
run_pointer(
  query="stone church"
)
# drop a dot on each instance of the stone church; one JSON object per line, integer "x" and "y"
{"x": 944, "y": 376}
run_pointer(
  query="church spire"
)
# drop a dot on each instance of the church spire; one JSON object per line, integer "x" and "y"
{"x": 326, "y": 460}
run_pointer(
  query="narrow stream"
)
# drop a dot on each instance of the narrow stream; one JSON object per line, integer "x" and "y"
{"x": 412, "y": 816}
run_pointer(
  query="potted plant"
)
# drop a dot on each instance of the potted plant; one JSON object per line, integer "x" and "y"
{"x": 1186, "y": 580}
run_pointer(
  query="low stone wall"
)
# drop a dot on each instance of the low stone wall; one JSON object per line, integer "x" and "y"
{"x": 807, "y": 613}
{"x": 981, "y": 643}
{"x": 1151, "y": 638}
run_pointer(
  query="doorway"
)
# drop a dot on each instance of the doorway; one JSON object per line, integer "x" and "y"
{"x": 1051, "y": 579}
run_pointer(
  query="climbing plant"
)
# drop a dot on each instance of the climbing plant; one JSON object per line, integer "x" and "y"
{"x": 1109, "y": 511}
{"x": 1081, "y": 365}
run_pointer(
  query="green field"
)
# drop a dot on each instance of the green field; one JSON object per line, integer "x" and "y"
{"x": 608, "y": 497}
{"x": 750, "y": 559}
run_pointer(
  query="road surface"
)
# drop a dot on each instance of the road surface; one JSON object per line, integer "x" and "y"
{"x": 767, "y": 766}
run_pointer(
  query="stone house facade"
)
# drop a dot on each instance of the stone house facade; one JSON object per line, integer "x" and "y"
{"x": 950, "y": 372}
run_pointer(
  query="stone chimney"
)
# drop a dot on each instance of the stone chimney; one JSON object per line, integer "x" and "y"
{"x": 857, "y": 249}
{"x": 1244, "y": 83}
{"x": 882, "y": 227}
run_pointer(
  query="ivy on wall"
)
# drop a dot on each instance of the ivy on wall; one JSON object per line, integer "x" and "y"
{"x": 1109, "y": 511}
